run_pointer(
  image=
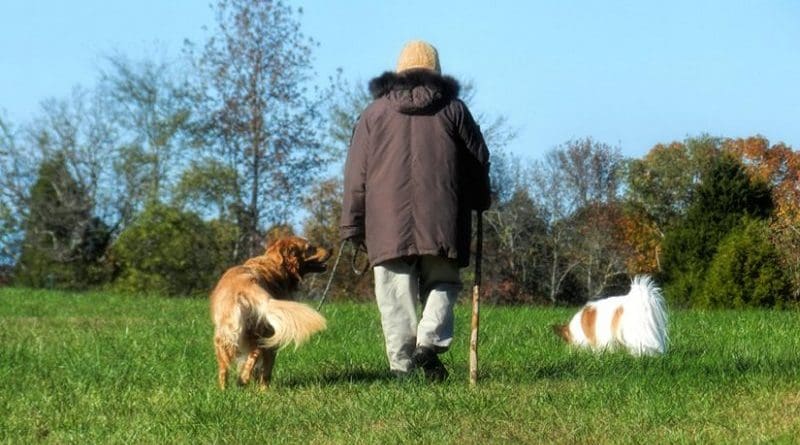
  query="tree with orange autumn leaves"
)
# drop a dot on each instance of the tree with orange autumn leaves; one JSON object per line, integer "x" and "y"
{"x": 658, "y": 191}
{"x": 660, "y": 187}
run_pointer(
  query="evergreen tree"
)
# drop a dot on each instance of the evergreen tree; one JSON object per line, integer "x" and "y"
{"x": 746, "y": 271}
{"x": 63, "y": 244}
{"x": 724, "y": 195}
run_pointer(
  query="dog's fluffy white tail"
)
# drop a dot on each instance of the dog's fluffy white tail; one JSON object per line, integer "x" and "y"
{"x": 644, "y": 326}
{"x": 292, "y": 322}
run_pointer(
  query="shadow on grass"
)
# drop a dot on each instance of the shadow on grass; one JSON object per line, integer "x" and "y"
{"x": 338, "y": 377}
{"x": 686, "y": 365}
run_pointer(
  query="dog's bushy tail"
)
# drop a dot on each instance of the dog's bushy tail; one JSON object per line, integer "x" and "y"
{"x": 292, "y": 322}
{"x": 645, "y": 321}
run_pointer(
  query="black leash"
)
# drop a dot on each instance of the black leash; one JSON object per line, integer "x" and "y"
{"x": 356, "y": 250}
{"x": 361, "y": 248}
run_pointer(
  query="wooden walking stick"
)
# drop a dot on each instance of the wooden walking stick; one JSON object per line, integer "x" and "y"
{"x": 476, "y": 295}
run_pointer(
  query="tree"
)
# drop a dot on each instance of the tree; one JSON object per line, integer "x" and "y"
{"x": 575, "y": 186}
{"x": 600, "y": 249}
{"x": 514, "y": 234}
{"x": 81, "y": 130}
{"x": 63, "y": 244}
{"x": 551, "y": 196}
{"x": 724, "y": 195}
{"x": 658, "y": 191}
{"x": 593, "y": 173}
{"x": 150, "y": 108}
{"x": 779, "y": 166}
{"x": 348, "y": 100}
{"x": 661, "y": 182}
{"x": 257, "y": 116}
{"x": 69, "y": 142}
{"x": 640, "y": 239}
{"x": 515, "y": 250}
{"x": 508, "y": 174}
{"x": 12, "y": 195}
{"x": 207, "y": 187}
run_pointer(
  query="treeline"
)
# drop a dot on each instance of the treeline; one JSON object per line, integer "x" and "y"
{"x": 164, "y": 174}
{"x": 716, "y": 220}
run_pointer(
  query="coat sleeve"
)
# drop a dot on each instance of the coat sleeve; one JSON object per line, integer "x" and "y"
{"x": 355, "y": 170}
{"x": 474, "y": 164}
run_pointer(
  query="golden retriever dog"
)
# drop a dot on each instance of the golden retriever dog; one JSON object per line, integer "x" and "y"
{"x": 251, "y": 312}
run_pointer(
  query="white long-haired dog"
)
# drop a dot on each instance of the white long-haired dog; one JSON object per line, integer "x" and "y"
{"x": 636, "y": 321}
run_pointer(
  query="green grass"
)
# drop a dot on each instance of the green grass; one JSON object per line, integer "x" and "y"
{"x": 100, "y": 368}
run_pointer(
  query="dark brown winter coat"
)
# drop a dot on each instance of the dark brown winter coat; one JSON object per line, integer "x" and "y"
{"x": 416, "y": 167}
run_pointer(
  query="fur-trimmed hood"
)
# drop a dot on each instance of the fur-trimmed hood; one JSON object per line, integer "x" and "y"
{"x": 415, "y": 91}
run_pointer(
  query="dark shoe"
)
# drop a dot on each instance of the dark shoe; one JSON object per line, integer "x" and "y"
{"x": 426, "y": 359}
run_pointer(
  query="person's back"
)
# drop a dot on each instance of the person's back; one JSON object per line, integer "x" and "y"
{"x": 416, "y": 168}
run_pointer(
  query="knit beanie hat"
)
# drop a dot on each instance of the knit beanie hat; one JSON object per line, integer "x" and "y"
{"x": 418, "y": 54}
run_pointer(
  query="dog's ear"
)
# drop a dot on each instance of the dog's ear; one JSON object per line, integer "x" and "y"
{"x": 283, "y": 255}
{"x": 275, "y": 252}
{"x": 291, "y": 262}
{"x": 291, "y": 255}
{"x": 562, "y": 331}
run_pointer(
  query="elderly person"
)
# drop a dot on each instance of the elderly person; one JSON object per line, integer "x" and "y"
{"x": 416, "y": 168}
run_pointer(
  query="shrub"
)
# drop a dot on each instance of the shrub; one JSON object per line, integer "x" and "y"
{"x": 169, "y": 252}
{"x": 745, "y": 272}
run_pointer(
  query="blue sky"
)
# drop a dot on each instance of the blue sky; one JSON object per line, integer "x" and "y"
{"x": 627, "y": 73}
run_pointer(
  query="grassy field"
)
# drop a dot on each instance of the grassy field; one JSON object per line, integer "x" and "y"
{"x": 99, "y": 368}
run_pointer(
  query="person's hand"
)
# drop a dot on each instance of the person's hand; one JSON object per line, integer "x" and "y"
{"x": 357, "y": 242}
{"x": 359, "y": 247}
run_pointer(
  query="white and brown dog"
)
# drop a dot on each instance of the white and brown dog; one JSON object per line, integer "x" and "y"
{"x": 636, "y": 321}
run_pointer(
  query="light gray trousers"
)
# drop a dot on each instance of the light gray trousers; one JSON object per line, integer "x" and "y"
{"x": 432, "y": 281}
